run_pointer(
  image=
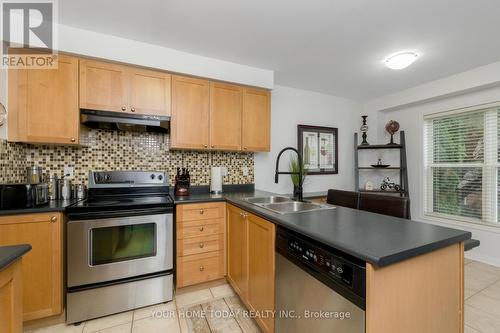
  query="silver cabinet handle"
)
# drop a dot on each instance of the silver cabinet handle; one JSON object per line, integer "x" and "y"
{"x": 206, "y": 146}
{"x": 53, "y": 219}
{"x": 202, "y": 268}
{"x": 73, "y": 140}
{"x": 202, "y": 211}
{"x": 202, "y": 228}
{"x": 132, "y": 109}
{"x": 202, "y": 245}
{"x": 124, "y": 108}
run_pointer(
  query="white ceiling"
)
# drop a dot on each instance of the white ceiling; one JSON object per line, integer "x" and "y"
{"x": 330, "y": 46}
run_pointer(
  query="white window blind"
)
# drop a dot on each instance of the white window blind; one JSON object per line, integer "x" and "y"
{"x": 461, "y": 165}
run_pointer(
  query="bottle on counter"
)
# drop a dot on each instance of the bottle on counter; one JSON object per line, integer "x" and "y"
{"x": 53, "y": 187}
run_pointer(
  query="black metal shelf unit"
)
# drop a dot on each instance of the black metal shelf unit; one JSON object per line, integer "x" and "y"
{"x": 403, "y": 170}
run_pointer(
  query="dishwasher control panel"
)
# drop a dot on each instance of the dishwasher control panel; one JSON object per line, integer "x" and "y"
{"x": 328, "y": 263}
{"x": 333, "y": 267}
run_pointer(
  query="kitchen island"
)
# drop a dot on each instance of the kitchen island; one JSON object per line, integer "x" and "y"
{"x": 414, "y": 271}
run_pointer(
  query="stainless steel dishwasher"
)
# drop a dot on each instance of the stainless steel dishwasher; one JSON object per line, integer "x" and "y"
{"x": 318, "y": 289}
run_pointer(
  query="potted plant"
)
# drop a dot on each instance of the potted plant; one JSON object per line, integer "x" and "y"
{"x": 294, "y": 167}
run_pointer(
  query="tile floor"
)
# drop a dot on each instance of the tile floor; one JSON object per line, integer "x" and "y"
{"x": 482, "y": 307}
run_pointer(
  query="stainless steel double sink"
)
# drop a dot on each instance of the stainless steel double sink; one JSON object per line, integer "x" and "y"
{"x": 284, "y": 205}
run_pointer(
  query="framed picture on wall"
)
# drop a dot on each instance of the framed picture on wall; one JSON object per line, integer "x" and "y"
{"x": 319, "y": 148}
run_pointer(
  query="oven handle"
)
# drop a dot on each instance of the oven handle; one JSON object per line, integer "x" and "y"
{"x": 119, "y": 213}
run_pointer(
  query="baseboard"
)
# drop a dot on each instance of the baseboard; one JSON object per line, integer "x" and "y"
{"x": 477, "y": 256}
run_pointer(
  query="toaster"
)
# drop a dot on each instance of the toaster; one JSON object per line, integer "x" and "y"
{"x": 16, "y": 196}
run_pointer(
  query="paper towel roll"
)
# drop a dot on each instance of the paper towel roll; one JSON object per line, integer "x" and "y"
{"x": 216, "y": 180}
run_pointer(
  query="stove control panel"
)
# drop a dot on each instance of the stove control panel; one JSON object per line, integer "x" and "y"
{"x": 99, "y": 179}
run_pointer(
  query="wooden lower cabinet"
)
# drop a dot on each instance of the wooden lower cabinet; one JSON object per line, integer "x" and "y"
{"x": 200, "y": 243}
{"x": 42, "y": 266}
{"x": 251, "y": 262}
{"x": 421, "y": 294}
{"x": 237, "y": 250}
{"x": 11, "y": 307}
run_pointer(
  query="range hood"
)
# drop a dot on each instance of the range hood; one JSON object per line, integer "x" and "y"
{"x": 124, "y": 121}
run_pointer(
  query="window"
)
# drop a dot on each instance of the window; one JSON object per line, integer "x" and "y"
{"x": 461, "y": 165}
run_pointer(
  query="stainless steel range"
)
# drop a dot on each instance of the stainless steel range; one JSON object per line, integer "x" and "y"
{"x": 119, "y": 245}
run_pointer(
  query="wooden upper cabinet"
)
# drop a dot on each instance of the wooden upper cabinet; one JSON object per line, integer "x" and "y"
{"x": 149, "y": 92}
{"x": 190, "y": 113}
{"x": 225, "y": 116}
{"x": 43, "y": 104}
{"x": 103, "y": 86}
{"x": 261, "y": 268}
{"x": 256, "y": 120}
{"x": 237, "y": 250}
{"x": 42, "y": 266}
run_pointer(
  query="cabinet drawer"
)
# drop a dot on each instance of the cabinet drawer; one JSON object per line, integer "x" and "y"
{"x": 198, "y": 223}
{"x": 200, "y": 230}
{"x": 200, "y": 268}
{"x": 195, "y": 245}
{"x": 204, "y": 211}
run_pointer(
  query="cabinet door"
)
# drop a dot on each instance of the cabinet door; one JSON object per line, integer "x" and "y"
{"x": 190, "y": 112}
{"x": 261, "y": 268}
{"x": 149, "y": 92}
{"x": 45, "y": 104}
{"x": 256, "y": 122}
{"x": 225, "y": 116}
{"x": 237, "y": 250}
{"x": 103, "y": 86}
{"x": 42, "y": 266}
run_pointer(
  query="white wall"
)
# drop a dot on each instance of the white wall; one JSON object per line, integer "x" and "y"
{"x": 291, "y": 107}
{"x": 93, "y": 44}
{"x": 410, "y": 117}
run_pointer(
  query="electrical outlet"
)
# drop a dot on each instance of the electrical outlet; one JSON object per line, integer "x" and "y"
{"x": 244, "y": 170}
{"x": 69, "y": 172}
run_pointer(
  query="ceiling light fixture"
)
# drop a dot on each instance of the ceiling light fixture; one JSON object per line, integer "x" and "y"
{"x": 401, "y": 60}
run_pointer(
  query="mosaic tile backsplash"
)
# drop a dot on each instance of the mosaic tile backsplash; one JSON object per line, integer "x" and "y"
{"x": 116, "y": 150}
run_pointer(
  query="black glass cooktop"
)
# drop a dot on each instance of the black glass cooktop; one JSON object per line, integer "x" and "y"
{"x": 114, "y": 203}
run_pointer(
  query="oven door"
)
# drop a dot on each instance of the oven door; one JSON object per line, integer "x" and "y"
{"x": 109, "y": 249}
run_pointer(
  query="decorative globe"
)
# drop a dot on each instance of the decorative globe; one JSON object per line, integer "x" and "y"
{"x": 392, "y": 127}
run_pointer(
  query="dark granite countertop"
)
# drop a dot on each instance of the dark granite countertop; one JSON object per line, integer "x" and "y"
{"x": 9, "y": 254}
{"x": 51, "y": 206}
{"x": 378, "y": 239}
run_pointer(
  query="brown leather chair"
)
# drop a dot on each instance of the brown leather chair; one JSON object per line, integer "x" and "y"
{"x": 385, "y": 204}
{"x": 343, "y": 198}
